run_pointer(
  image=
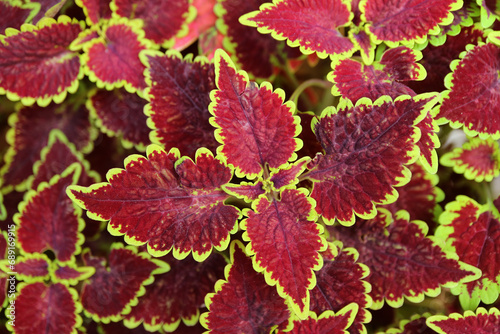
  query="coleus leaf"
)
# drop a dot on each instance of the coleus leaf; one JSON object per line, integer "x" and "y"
{"x": 32, "y": 267}
{"x": 406, "y": 21}
{"x": 388, "y": 76}
{"x": 69, "y": 273}
{"x": 15, "y": 14}
{"x": 47, "y": 309}
{"x": 50, "y": 69}
{"x": 204, "y": 20}
{"x": 58, "y": 155}
{"x": 312, "y": 26}
{"x": 112, "y": 60}
{"x": 244, "y": 302}
{"x": 288, "y": 175}
{"x": 179, "y": 94}
{"x": 289, "y": 260}
{"x": 481, "y": 322}
{"x": 177, "y": 295}
{"x": 473, "y": 86}
{"x": 49, "y": 8}
{"x": 163, "y": 20}
{"x": 253, "y": 51}
{"x": 120, "y": 113}
{"x": 29, "y": 134}
{"x": 436, "y": 59}
{"x": 341, "y": 282}
{"x": 115, "y": 286}
{"x": 420, "y": 196}
{"x": 478, "y": 159}
{"x": 165, "y": 201}
{"x": 403, "y": 261}
{"x": 47, "y": 219}
{"x": 252, "y": 123}
{"x": 327, "y": 322}
{"x": 366, "y": 147}
{"x": 354, "y": 80}
{"x": 473, "y": 232}
{"x": 249, "y": 192}
{"x": 95, "y": 10}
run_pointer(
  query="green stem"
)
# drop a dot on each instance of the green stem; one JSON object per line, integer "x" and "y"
{"x": 309, "y": 83}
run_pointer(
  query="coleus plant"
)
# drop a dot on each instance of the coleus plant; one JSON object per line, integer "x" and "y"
{"x": 230, "y": 166}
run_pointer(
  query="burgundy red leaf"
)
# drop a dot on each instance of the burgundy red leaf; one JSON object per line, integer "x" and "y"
{"x": 48, "y": 220}
{"x": 481, "y": 322}
{"x": 32, "y": 267}
{"x": 117, "y": 284}
{"x": 50, "y": 69}
{"x": 478, "y": 159}
{"x": 354, "y": 80}
{"x": 30, "y": 131}
{"x": 120, "y": 113}
{"x": 163, "y": 20}
{"x": 286, "y": 242}
{"x": 473, "y": 232}
{"x": 44, "y": 308}
{"x": 165, "y": 201}
{"x": 474, "y": 87}
{"x": 416, "y": 325}
{"x": 70, "y": 273}
{"x": 408, "y": 20}
{"x": 311, "y": 25}
{"x": 177, "y": 295}
{"x": 179, "y": 94}
{"x": 403, "y": 261}
{"x": 341, "y": 282}
{"x": 112, "y": 61}
{"x": 327, "y": 322}
{"x": 253, "y": 124}
{"x": 244, "y": 302}
{"x": 366, "y": 147}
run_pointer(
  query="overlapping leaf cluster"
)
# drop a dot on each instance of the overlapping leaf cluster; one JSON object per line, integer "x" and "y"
{"x": 286, "y": 178}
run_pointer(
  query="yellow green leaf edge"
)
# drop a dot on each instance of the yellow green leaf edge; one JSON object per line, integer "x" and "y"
{"x": 490, "y": 290}
{"x": 163, "y": 267}
{"x": 433, "y": 321}
{"x": 313, "y": 216}
{"x": 45, "y": 100}
{"x": 304, "y": 49}
{"x": 451, "y": 159}
{"x": 221, "y": 54}
{"x": 75, "y": 169}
